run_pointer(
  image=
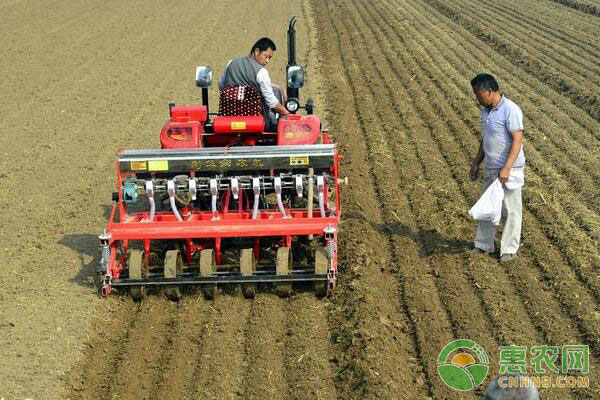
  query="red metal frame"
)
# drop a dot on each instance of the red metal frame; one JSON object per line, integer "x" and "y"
{"x": 204, "y": 225}
{"x": 200, "y": 229}
{"x": 200, "y": 225}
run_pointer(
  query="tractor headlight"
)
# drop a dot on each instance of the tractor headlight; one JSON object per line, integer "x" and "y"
{"x": 292, "y": 105}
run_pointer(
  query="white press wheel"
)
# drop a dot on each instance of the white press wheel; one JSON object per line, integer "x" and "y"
{"x": 208, "y": 266}
{"x": 283, "y": 266}
{"x": 138, "y": 269}
{"x": 321, "y": 268}
{"x": 247, "y": 268}
{"x": 173, "y": 269}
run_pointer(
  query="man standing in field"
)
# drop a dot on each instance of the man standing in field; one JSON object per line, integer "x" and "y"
{"x": 502, "y": 150}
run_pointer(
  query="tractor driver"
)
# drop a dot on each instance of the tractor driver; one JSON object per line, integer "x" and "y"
{"x": 251, "y": 71}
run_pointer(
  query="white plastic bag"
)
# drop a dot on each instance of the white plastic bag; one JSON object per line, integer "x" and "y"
{"x": 516, "y": 179}
{"x": 489, "y": 206}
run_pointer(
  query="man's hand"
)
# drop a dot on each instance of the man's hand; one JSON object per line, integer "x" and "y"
{"x": 478, "y": 160}
{"x": 280, "y": 108}
{"x": 474, "y": 171}
{"x": 503, "y": 175}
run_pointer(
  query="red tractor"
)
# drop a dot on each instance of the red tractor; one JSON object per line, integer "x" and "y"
{"x": 223, "y": 201}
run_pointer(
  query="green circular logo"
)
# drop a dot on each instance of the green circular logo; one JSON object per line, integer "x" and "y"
{"x": 463, "y": 364}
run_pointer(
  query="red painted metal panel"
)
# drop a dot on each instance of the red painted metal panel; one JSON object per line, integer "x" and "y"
{"x": 240, "y": 124}
{"x": 224, "y": 228}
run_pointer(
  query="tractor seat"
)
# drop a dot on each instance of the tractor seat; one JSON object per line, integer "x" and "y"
{"x": 240, "y": 101}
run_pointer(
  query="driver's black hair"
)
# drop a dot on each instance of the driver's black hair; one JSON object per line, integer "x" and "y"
{"x": 485, "y": 82}
{"x": 263, "y": 44}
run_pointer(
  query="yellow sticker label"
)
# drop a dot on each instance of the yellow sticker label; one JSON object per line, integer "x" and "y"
{"x": 158, "y": 165}
{"x": 298, "y": 160}
{"x": 238, "y": 125}
{"x": 138, "y": 165}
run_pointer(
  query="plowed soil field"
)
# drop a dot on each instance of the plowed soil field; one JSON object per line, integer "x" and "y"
{"x": 82, "y": 79}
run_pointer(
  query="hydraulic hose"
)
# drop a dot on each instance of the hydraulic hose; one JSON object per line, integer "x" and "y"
{"x": 321, "y": 191}
{"x": 150, "y": 194}
{"x": 256, "y": 189}
{"x": 171, "y": 191}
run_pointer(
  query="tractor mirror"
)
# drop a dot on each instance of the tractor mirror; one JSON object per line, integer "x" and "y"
{"x": 203, "y": 76}
{"x": 295, "y": 76}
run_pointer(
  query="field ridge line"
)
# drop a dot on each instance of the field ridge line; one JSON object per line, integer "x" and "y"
{"x": 585, "y": 99}
{"x": 580, "y": 6}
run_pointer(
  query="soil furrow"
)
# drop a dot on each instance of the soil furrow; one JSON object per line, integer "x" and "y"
{"x": 375, "y": 370}
{"x": 146, "y": 345}
{"x": 580, "y": 6}
{"x": 573, "y": 29}
{"x": 550, "y": 50}
{"x": 549, "y": 317}
{"x": 548, "y": 255}
{"x": 459, "y": 136}
{"x": 581, "y": 262}
{"x": 434, "y": 174}
{"x": 551, "y": 127}
{"x": 572, "y": 55}
{"x": 415, "y": 203}
{"x": 579, "y": 181}
{"x": 429, "y": 344}
{"x": 559, "y": 188}
{"x": 180, "y": 370}
{"x": 581, "y": 97}
{"x": 221, "y": 364}
{"x": 453, "y": 157}
{"x": 579, "y": 212}
{"x": 443, "y": 255}
{"x": 582, "y": 215}
{"x": 440, "y": 129}
{"x": 105, "y": 352}
{"x": 307, "y": 349}
{"x": 264, "y": 341}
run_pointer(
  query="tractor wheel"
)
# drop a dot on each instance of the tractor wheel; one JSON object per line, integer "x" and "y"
{"x": 138, "y": 269}
{"x": 283, "y": 267}
{"x": 173, "y": 268}
{"x": 321, "y": 268}
{"x": 247, "y": 268}
{"x": 208, "y": 266}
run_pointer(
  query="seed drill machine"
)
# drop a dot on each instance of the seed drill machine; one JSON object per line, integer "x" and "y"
{"x": 225, "y": 202}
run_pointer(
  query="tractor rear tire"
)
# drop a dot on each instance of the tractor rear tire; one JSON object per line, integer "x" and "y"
{"x": 173, "y": 269}
{"x": 321, "y": 268}
{"x": 208, "y": 266}
{"x": 247, "y": 268}
{"x": 283, "y": 267}
{"x": 138, "y": 269}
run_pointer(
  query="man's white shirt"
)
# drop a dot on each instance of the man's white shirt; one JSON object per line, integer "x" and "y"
{"x": 263, "y": 79}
